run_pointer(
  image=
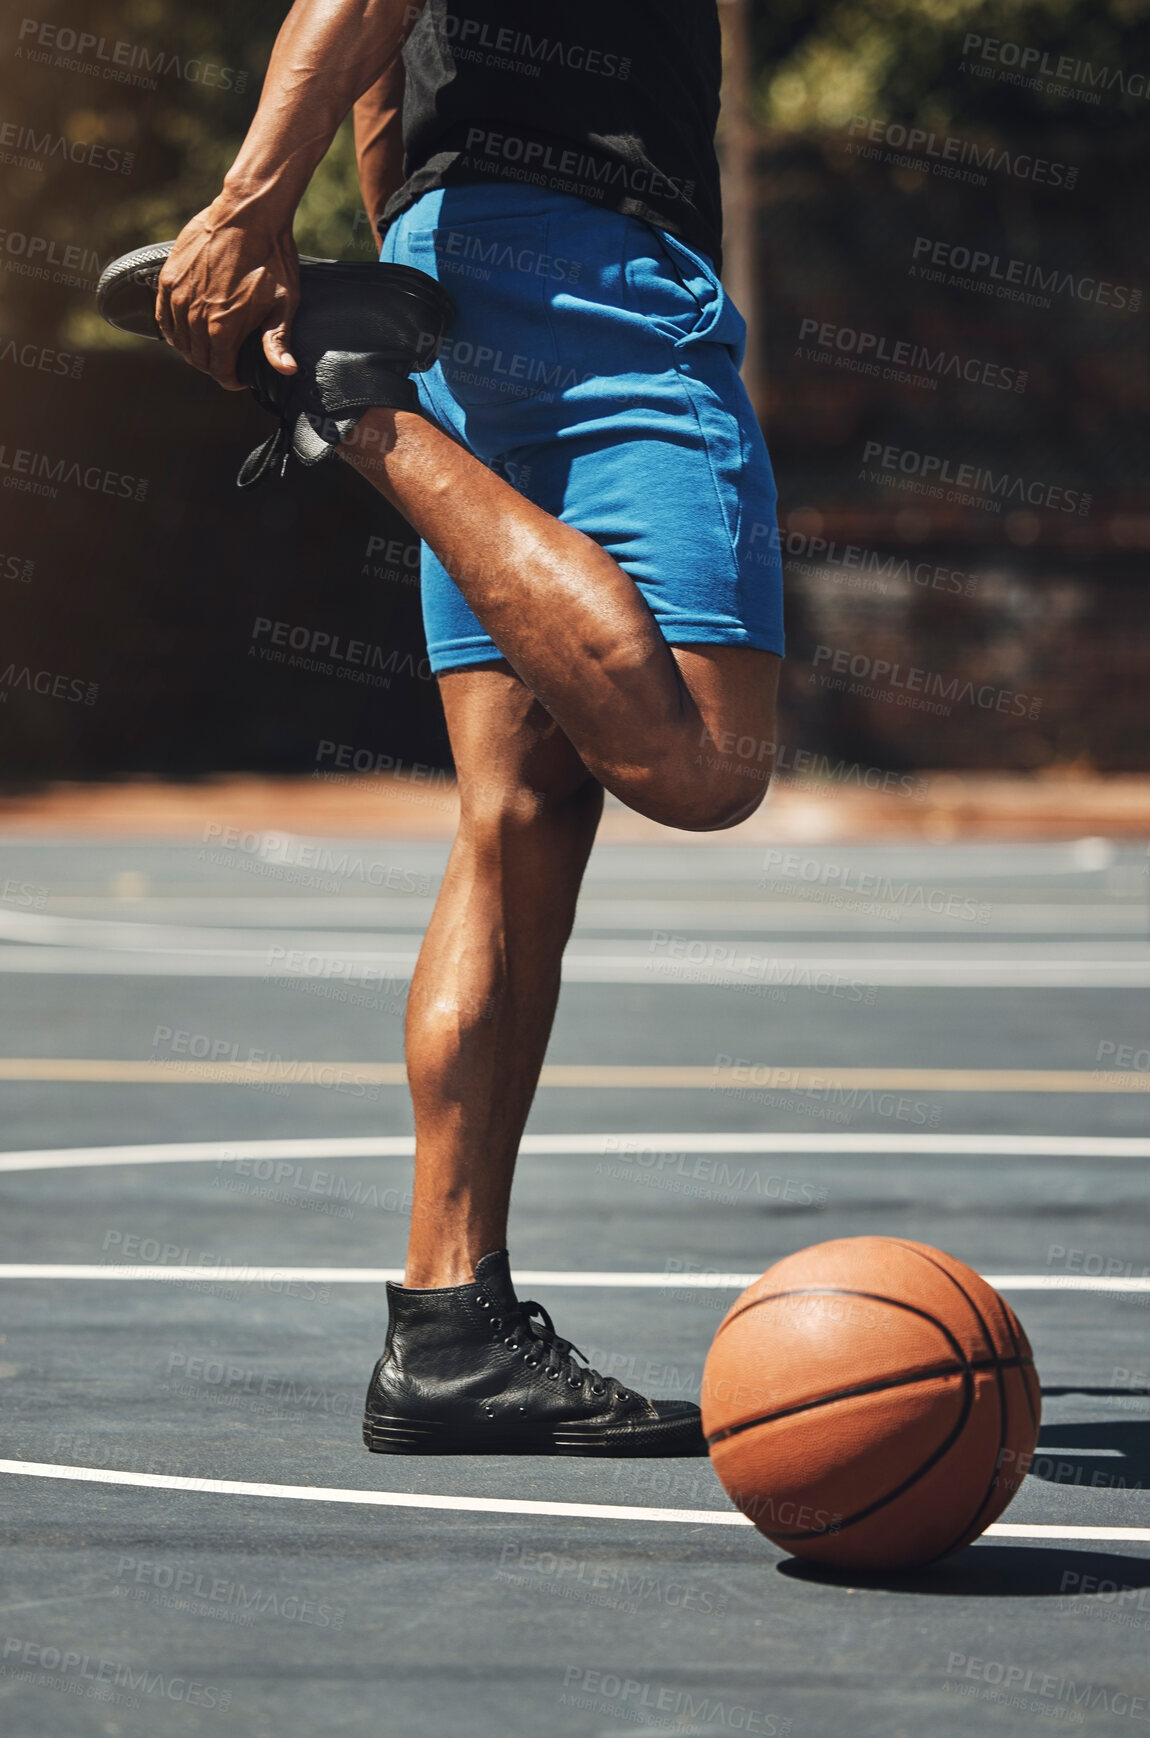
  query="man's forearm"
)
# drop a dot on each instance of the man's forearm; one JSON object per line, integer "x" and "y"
{"x": 326, "y": 55}
{"x": 379, "y": 142}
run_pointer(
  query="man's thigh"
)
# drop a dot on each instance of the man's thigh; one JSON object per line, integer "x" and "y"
{"x": 735, "y": 689}
{"x": 609, "y": 395}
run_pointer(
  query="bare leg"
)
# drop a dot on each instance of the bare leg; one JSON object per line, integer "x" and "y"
{"x": 648, "y": 721}
{"x": 484, "y": 992}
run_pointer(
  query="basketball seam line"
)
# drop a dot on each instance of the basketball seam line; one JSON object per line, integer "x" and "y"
{"x": 842, "y": 1291}
{"x": 972, "y": 1529}
{"x": 873, "y": 1296}
{"x": 919, "y": 1473}
{"x": 966, "y": 1367}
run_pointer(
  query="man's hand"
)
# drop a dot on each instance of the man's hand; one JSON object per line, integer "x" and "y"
{"x": 222, "y": 281}
{"x": 234, "y": 270}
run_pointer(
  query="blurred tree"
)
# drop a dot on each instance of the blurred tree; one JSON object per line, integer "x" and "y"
{"x": 821, "y": 61}
{"x": 179, "y": 90}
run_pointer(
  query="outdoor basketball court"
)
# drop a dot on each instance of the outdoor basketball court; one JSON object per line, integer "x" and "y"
{"x": 204, "y": 1187}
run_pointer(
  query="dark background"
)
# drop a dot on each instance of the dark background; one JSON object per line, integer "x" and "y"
{"x": 154, "y": 601}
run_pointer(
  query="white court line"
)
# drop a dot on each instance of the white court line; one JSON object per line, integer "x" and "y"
{"x": 243, "y": 1274}
{"x": 966, "y": 968}
{"x": 484, "y": 1505}
{"x": 380, "y": 1499}
{"x": 597, "y": 1145}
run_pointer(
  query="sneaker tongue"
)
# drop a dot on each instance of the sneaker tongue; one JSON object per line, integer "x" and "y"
{"x": 493, "y": 1273}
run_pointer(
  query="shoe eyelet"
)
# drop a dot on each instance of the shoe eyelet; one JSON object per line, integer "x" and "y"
{"x": 573, "y": 1382}
{"x": 532, "y": 1363}
{"x": 553, "y": 1373}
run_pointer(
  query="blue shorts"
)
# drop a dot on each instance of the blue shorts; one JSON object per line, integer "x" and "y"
{"x": 593, "y": 362}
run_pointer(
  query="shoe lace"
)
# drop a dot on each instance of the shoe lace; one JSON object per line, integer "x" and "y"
{"x": 528, "y": 1334}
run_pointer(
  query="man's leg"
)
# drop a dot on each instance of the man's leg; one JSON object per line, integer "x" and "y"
{"x": 648, "y": 722}
{"x": 468, "y": 1367}
{"x": 484, "y": 992}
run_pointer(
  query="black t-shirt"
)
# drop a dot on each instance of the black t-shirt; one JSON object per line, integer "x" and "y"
{"x": 614, "y": 101}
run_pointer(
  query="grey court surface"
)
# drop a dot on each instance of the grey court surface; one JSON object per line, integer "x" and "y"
{"x": 204, "y": 1181}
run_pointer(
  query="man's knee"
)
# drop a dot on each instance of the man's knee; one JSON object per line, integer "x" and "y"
{"x": 501, "y": 808}
{"x": 715, "y": 805}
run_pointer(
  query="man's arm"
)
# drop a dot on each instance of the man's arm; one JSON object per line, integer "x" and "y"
{"x": 234, "y": 267}
{"x": 379, "y": 142}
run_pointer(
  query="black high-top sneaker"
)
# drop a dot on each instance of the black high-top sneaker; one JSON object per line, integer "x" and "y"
{"x": 472, "y": 1369}
{"x": 360, "y": 331}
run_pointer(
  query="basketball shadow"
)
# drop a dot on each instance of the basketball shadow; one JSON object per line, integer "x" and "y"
{"x": 990, "y": 1570}
{"x": 1110, "y": 1456}
{"x": 1106, "y": 1393}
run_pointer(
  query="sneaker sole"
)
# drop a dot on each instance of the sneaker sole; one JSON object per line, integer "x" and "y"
{"x": 653, "y": 1439}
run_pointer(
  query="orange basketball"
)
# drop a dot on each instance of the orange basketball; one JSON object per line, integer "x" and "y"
{"x": 871, "y": 1403}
